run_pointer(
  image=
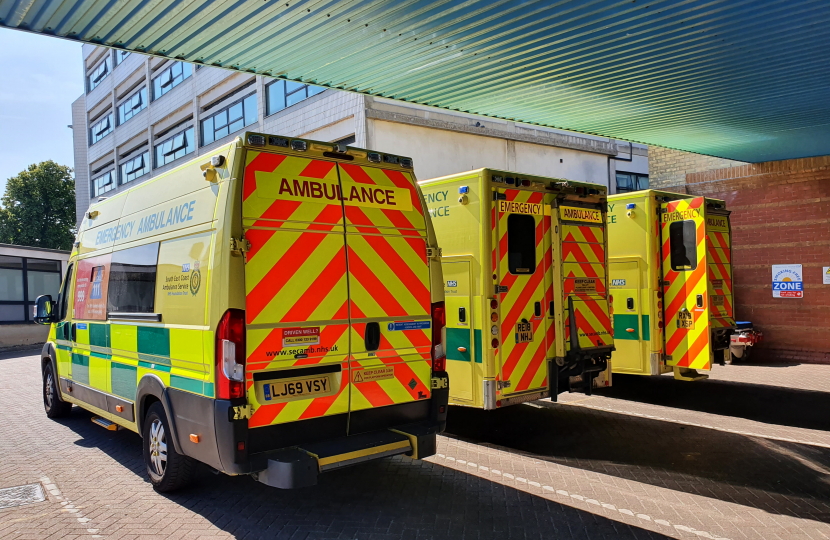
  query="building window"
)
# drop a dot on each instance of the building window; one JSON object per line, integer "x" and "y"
{"x": 135, "y": 168}
{"x": 103, "y": 183}
{"x": 132, "y": 106}
{"x": 120, "y": 56}
{"x": 282, "y": 94}
{"x": 175, "y": 147}
{"x": 98, "y": 74}
{"x": 22, "y": 280}
{"x": 170, "y": 78}
{"x": 229, "y": 120}
{"x": 100, "y": 129}
{"x": 132, "y": 280}
{"x": 631, "y": 182}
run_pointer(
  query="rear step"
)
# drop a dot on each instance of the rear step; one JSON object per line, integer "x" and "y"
{"x": 104, "y": 423}
{"x": 686, "y": 374}
{"x": 299, "y": 467}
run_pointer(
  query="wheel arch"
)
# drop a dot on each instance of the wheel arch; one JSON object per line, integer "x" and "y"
{"x": 151, "y": 389}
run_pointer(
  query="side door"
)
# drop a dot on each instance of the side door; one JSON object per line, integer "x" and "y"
{"x": 685, "y": 286}
{"x": 389, "y": 295}
{"x": 521, "y": 277}
{"x": 630, "y": 328}
{"x": 296, "y": 306}
{"x": 719, "y": 259}
{"x": 463, "y": 349}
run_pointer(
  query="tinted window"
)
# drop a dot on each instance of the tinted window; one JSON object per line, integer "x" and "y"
{"x": 683, "y": 245}
{"x": 132, "y": 284}
{"x": 175, "y": 147}
{"x": 521, "y": 244}
{"x": 63, "y": 299}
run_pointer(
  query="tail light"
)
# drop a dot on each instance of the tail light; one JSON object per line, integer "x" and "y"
{"x": 439, "y": 337}
{"x": 230, "y": 355}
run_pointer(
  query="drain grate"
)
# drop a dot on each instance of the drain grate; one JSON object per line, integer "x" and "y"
{"x": 20, "y": 495}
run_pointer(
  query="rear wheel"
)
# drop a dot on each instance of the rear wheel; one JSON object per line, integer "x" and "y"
{"x": 53, "y": 404}
{"x": 168, "y": 470}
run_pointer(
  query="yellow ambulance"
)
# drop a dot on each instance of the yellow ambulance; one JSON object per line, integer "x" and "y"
{"x": 273, "y": 308}
{"x": 671, "y": 281}
{"x": 524, "y": 261}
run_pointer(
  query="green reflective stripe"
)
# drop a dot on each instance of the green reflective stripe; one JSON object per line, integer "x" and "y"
{"x": 64, "y": 347}
{"x": 646, "y": 329}
{"x": 458, "y": 337}
{"x": 477, "y": 338}
{"x": 97, "y": 354}
{"x": 80, "y": 368}
{"x": 621, "y": 323}
{"x": 152, "y": 365}
{"x": 183, "y": 383}
{"x": 209, "y": 389}
{"x": 153, "y": 340}
{"x": 99, "y": 335}
{"x": 124, "y": 380}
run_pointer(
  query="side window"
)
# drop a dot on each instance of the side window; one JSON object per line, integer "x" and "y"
{"x": 521, "y": 244}
{"x": 683, "y": 245}
{"x": 63, "y": 299}
{"x": 91, "y": 289}
{"x": 132, "y": 283}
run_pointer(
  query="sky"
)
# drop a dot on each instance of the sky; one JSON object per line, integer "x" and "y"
{"x": 41, "y": 76}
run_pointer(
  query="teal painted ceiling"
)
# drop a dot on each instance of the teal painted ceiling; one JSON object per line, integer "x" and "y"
{"x": 746, "y": 80}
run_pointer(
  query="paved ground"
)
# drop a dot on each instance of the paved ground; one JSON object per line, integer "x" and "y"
{"x": 744, "y": 455}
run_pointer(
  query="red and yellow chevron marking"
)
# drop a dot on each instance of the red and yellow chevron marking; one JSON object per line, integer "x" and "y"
{"x": 550, "y": 321}
{"x": 523, "y": 363}
{"x": 295, "y": 277}
{"x": 389, "y": 186}
{"x": 719, "y": 259}
{"x": 688, "y": 347}
{"x": 592, "y": 322}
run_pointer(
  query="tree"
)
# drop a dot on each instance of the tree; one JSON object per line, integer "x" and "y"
{"x": 39, "y": 207}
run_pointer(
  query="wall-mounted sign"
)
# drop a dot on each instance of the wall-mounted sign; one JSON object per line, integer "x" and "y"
{"x": 825, "y": 275}
{"x": 787, "y": 281}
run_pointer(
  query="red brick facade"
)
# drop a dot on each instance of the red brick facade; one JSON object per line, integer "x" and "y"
{"x": 780, "y": 215}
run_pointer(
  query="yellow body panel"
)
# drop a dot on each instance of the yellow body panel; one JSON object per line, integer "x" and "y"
{"x": 472, "y": 226}
{"x": 636, "y": 272}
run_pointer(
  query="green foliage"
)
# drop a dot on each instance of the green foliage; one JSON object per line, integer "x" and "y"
{"x": 39, "y": 207}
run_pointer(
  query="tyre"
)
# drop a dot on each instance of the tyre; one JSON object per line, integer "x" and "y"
{"x": 53, "y": 404}
{"x": 168, "y": 470}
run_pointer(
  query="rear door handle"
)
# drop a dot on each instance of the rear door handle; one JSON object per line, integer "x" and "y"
{"x": 700, "y": 300}
{"x": 550, "y": 309}
{"x": 537, "y": 309}
{"x": 462, "y": 314}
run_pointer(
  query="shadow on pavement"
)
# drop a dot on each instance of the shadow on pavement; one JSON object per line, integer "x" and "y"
{"x": 394, "y": 498}
{"x": 761, "y": 403}
{"x": 706, "y": 462}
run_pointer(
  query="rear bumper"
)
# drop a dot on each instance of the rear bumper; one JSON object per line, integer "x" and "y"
{"x": 292, "y": 455}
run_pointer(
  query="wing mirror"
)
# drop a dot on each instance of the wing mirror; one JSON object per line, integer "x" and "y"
{"x": 45, "y": 310}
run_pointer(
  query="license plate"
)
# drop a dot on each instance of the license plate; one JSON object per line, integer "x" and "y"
{"x": 685, "y": 319}
{"x": 281, "y": 390}
{"x": 524, "y": 332}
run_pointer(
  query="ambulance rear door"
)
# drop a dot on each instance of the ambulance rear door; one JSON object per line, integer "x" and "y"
{"x": 584, "y": 275}
{"x": 719, "y": 259}
{"x": 296, "y": 284}
{"x": 389, "y": 295}
{"x": 685, "y": 284}
{"x": 519, "y": 227}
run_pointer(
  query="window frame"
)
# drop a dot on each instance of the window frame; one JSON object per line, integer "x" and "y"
{"x": 173, "y": 83}
{"x": 686, "y": 225}
{"x": 184, "y": 131}
{"x": 226, "y": 111}
{"x": 522, "y": 236}
{"x": 108, "y": 117}
{"x": 122, "y": 54}
{"x": 635, "y": 179}
{"x": 286, "y": 93}
{"x": 112, "y": 181}
{"x": 27, "y": 303}
{"x": 122, "y": 171}
{"x": 114, "y": 291}
{"x": 142, "y": 95}
{"x": 93, "y": 84}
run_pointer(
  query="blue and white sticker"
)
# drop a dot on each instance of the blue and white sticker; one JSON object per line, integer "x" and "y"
{"x": 266, "y": 388}
{"x": 452, "y": 283}
{"x": 408, "y": 325}
{"x": 81, "y": 326}
{"x": 186, "y": 267}
{"x": 618, "y": 283}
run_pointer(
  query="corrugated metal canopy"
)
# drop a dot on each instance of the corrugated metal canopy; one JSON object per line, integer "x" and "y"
{"x": 746, "y": 80}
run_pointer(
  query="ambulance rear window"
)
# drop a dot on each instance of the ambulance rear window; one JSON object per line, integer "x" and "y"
{"x": 521, "y": 244}
{"x": 683, "y": 245}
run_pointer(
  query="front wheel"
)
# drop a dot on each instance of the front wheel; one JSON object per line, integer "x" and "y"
{"x": 53, "y": 404}
{"x": 168, "y": 470}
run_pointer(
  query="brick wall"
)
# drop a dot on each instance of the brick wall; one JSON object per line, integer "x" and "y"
{"x": 668, "y": 168}
{"x": 780, "y": 215}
